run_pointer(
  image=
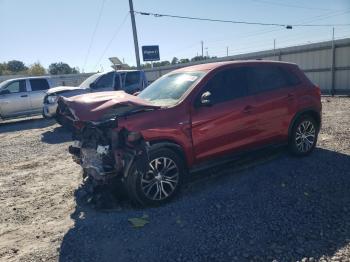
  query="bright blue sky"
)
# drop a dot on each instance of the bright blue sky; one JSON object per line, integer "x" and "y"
{"x": 61, "y": 30}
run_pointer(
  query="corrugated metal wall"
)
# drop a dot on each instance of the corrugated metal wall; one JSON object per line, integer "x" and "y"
{"x": 315, "y": 59}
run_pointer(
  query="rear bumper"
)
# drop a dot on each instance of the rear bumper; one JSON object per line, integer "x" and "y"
{"x": 49, "y": 110}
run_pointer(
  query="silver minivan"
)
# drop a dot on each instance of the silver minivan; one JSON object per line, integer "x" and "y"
{"x": 22, "y": 96}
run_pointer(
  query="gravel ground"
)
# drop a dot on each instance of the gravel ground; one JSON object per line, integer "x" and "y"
{"x": 268, "y": 207}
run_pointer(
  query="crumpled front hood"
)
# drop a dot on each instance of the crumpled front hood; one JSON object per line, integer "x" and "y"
{"x": 94, "y": 106}
{"x": 59, "y": 89}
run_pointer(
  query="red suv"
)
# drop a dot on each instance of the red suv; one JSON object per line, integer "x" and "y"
{"x": 189, "y": 119}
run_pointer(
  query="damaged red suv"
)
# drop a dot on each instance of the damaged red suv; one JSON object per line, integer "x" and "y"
{"x": 190, "y": 119}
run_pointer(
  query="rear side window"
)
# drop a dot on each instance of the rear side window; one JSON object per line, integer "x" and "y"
{"x": 39, "y": 84}
{"x": 227, "y": 85}
{"x": 292, "y": 79}
{"x": 132, "y": 78}
{"x": 16, "y": 87}
{"x": 267, "y": 78}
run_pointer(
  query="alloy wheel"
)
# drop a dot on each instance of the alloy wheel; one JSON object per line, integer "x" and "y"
{"x": 305, "y": 136}
{"x": 161, "y": 180}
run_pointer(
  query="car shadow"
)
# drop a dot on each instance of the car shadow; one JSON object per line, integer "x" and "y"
{"x": 25, "y": 124}
{"x": 56, "y": 136}
{"x": 271, "y": 206}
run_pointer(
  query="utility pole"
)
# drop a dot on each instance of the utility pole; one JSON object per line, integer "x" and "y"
{"x": 333, "y": 65}
{"x": 202, "y": 48}
{"x": 134, "y": 32}
{"x": 226, "y": 50}
{"x": 274, "y": 47}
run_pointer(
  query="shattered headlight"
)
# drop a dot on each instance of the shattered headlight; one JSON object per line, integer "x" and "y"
{"x": 52, "y": 99}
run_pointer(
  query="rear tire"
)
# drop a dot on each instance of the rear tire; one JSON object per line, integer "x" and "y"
{"x": 161, "y": 183}
{"x": 303, "y": 137}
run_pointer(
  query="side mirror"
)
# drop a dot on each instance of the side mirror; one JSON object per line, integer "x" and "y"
{"x": 205, "y": 99}
{"x": 5, "y": 92}
{"x": 93, "y": 85}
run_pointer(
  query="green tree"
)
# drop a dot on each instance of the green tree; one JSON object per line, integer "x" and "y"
{"x": 36, "y": 69}
{"x": 197, "y": 58}
{"x": 146, "y": 65}
{"x": 15, "y": 66}
{"x": 61, "y": 69}
{"x": 184, "y": 60}
{"x": 3, "y": 68}
{"x": 174, "y": 61}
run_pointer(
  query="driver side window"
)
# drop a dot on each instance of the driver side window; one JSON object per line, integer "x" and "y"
{"x": 16, "y": 87}
{"x": 227, "y": 85}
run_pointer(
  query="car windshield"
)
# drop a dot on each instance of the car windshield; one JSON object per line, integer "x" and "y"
{"x": 4, "y": 83}
{"x": 167, "y": 90}
{"x": 86, "y": 83}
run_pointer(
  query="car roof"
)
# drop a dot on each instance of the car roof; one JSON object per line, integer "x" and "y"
{"x": 211, "y": 66}
{"x": 29, "y": 77}
{"x": 128, "y": 70}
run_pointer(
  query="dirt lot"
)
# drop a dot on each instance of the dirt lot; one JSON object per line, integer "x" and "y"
{"x": 268, "y": 207}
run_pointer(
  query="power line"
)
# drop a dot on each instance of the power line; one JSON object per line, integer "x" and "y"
{"x": 293, "y": 6}
{"x": 287, "y": 26}
{"x": 112, "y": 39}
{"x": 94, "y": 33}
{"x": 210, "y": 20}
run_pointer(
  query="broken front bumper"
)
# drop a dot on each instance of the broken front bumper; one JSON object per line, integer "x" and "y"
{"x": 103, "y": 163}
{"x": 95, "y": 162}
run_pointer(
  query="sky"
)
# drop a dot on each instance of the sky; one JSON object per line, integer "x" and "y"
{"x": 85, "y": 33}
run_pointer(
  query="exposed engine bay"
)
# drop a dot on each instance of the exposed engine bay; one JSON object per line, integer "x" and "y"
{"x": 102, "y": 148}
{"x": 104, "y": 151}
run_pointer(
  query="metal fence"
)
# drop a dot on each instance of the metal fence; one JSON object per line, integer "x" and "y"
{"x": 327, "y": 64}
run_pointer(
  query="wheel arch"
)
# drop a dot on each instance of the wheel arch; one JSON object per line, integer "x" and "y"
{"x": 309, "y": 111}
{"x": 155, "y": 144}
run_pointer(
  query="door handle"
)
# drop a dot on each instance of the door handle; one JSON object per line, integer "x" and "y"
{"x": 248, "y": 109}
{"x": 24, "y": 95}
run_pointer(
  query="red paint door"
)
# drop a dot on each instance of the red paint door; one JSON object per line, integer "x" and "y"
{"x": 229, "y": 123}
{"x": 275, "y": 102}
{"x": 223, "y": 128}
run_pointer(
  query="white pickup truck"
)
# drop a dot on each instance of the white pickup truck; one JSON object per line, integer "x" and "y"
{"x": 130, "y": 81}
{"x": 22, "y": 96}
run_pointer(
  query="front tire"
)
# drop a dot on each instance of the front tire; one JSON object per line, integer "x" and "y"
{"x": 64, "y": 122}
{"x": 160, "y": 183}
{"x": 303, "y": 137}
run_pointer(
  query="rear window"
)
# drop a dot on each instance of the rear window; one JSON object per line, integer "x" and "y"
{"x": 39, "y": 84}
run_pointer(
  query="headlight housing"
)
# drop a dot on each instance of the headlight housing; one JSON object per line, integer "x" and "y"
{"x": 52, "y": 99}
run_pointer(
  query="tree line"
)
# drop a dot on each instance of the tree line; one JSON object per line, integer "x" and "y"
{"x": 16, "y": 67}
{"x": 175, "y": 61}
